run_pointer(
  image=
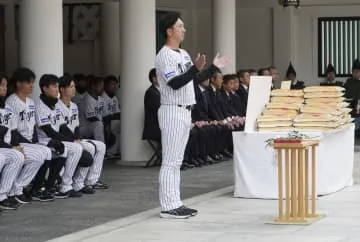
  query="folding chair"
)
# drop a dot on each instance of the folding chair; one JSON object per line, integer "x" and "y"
{"x": 155, "y": 159}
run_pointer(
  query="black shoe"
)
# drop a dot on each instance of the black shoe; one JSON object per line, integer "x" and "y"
{"x": 177, "y": 213}
{"x": 13, "y": 201}
{"x": 73, "y": 193}
{"x": 227, "y": 153}
{"x": 183, "y": 167}
{"x": 43, "y": 196}
{"x": 61, "y": 195}
{"x": 188, "y": 164}
{"x": 8, "y": 205}
{"x": 88, "y": 190}
{"x": 23, "y": 199}
{"x": 100, "y": 185}
{"x": 193, "y": 212}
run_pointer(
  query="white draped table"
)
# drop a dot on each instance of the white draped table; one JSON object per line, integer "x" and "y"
{"x": 255, "y": 165}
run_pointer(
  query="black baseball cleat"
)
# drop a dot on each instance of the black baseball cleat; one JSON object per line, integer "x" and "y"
{"x": 23, "y": 199}
{"x": 178, "y": 213}
{"x": 6, "y": 204}
{"x": 100, "y": 185}
{"x": 193, "y": 212}
{"x": 43, "y": 196}
{"x": 88, "y": 190}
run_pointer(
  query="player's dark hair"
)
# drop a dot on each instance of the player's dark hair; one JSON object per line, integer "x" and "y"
{"x": 47, "y": 80}
{"x": 109, "y": 79}
{"x": 79, "y": 77}
{"x": 227, "y": 78}
{"x": 261, "y": 71}
{"x": 23, "y": 74}
{"x": 241, "y": 73}
{"x": 65, "y": 81}
{"x": 152, "y": 74}
{"x": 167, "y": 21}
{"x": 272, "y": 68}
{"x": 95, "y": 81}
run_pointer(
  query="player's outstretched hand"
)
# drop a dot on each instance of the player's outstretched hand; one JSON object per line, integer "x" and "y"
{"x": 221, "y": 61}
{"x": 200, "y": 61}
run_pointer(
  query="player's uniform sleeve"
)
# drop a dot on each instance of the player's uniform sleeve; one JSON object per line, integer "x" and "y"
{"x": 116, "y": 105}
{"x": 173, "y": 72}
{"x": 42, "y": 116}
{"x": 90, "y": 109}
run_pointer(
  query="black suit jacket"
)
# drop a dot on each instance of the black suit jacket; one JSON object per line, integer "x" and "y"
{"x": 201, "y": 110}
{"x": 243, "y": 96}
{"x": 151, "y": 122}
{"x": 298, "y": 86}
{"x": 227, "y": 104}
{"x": 215, "y": 112}
{"x": 238, "y": 104}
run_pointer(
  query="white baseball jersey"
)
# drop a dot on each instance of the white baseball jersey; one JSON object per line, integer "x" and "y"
{"x": 93, "y": 107}
{"x": 70, "y": 114}
{"x": 24, "y": 113}
{"x": 6, "y": 120}
{"x": 79, "y": 101}
{"x": 46, "y": 116}
{"x": 111, "y": 105}
{"x": 170, "y": 63}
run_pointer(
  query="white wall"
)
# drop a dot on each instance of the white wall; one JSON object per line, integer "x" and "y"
{"x": 254, "y": 37}
{"x": 307, "y": 54}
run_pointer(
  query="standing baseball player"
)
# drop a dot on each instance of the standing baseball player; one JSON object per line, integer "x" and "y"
{"x": 24, "y": 114}
{"x": 176, "y": 72}
{"x": 49, "y": 121}
{"x": 11, "y": 157}
{"x": 86, "y": 179}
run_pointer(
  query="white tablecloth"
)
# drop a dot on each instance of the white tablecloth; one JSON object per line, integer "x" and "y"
{"x": 255, "y": 166}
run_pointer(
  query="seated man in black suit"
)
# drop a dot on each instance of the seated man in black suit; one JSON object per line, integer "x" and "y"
{"x": 330, "y": 77}
{"x": 151, "y": 131}
{"x": 152, "y": 103}
{"x": 243, "y": 90}
{"x": 209, "y": 132}
{"x": 229, "y": 104}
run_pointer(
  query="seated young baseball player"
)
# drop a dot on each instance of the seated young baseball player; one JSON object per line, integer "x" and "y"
{"x": 34, "y": 155}
{"x": 111, "y": 114}
{"x": 24, "y": 113}
{"x": 86, "y": 178}
{"x": 49, "y": 121}
{"x": 92, "y": 126}
{"x": 11, "y": 157}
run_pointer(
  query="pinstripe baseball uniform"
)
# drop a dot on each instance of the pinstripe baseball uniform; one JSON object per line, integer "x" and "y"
{"x": 85, "y": 175}
{"x": 33, "y": 158}
{"x": 12, "y": 162}
{"x": 93, "y": 108}
{"x": 112, "y": 107}
{"x": 174, "y": 121}
{"x": 24, "y": 114}
{"x": 47, "y": 116}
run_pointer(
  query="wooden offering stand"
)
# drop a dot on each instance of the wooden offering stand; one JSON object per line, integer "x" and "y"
{"x": 300, "y": 176}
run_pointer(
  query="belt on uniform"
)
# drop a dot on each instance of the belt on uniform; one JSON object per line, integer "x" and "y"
{"x": 188, "y": 107}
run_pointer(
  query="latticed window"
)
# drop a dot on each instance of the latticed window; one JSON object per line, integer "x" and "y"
{"x": 338, "y": 44}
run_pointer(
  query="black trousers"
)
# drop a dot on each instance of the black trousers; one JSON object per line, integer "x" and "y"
{"x": 192, "y": 146}
{"x": 54, "y": 166}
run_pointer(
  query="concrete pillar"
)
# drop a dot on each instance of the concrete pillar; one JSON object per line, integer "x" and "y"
{"x": 284, "y": 39}
{"x": 138, "y": 44}
{"x": 41, "y": 38}
{"x": 224, "y": 31}
{"x": 11, "y": 47}
{"x": 110, "y": 38}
